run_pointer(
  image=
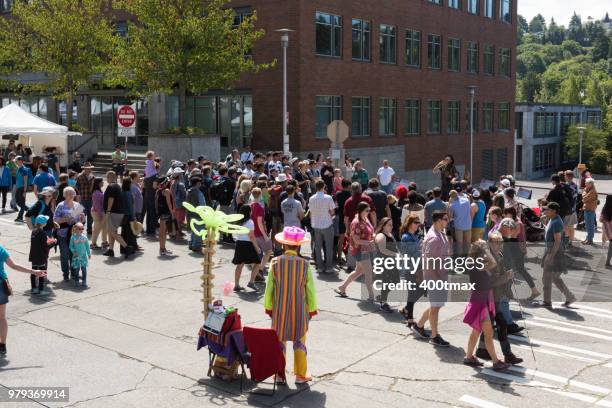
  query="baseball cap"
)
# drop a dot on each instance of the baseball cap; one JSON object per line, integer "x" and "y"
{"x": 40, "y": 220}
{"x": 48, "y": 190}
{"x": 505, "y": 183}
{"x": 553, "y": 206}
{"x": 475, "y": 193}
{"x": 281, "y": 178}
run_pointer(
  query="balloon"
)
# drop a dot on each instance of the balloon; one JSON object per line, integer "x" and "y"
{"x": 227, "y": 288}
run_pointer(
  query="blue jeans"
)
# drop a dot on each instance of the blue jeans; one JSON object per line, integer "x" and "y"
{"x": 590, "y": 223}
{"x": 387, "y": 189}
{"x": 195, "y": 242}
{"x": 65, "y": 255}
{"x": 87, "y": 204}
{"x": 75, "y": 274}
{"x": 504, "y": 307}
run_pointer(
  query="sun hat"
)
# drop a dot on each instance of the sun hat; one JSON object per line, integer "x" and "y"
{"x": 136, "y": 227}
{"x": 281, "y": 178}
{"x": 47, "y": 191}
{"x": 293, "y": 236}
{"x": 87, "y": 165}
{"x": 177, "y": 172}
{"x": 475, "y": 193}
{"x": 40, "y": 220}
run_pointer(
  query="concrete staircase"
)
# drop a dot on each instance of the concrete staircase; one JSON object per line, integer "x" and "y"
{"x": 103, "y": 162}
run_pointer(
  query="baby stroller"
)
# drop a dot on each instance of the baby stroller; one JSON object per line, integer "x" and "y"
{"x": 534, "y": 229}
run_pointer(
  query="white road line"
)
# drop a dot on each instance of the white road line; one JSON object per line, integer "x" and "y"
{"x": 594, "y": 309}
{"x": 557, "y": 353}
{"x": 600, "y": 315}
{"x": 574, "y": 331}
{"x": 547, "y": 387}
{"x": 603, "y": 356}
{"x": 477, "y": 402}
{"x": 565, "y": 323}
{"x": 562, "y": 380}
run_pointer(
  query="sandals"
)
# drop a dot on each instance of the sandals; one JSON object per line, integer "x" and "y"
{"x": 341, "y": 293}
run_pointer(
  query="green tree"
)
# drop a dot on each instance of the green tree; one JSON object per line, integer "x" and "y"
{"x": 570, "y": 91}
{"x": 601, "y": 47}
{"x": 575, "y": 30}
{"x": 529, "y": 87}
{"x": 188, "y": 46}
{"x": 593, "y": 139}
{"x": 64, "y": 44}
{"x": 537, "y": 24}
{"x": 555, "y": 34}
{"x": 530, "y": 61}
{"x": 571, "y": 48}
{"x": 521, "y": 29}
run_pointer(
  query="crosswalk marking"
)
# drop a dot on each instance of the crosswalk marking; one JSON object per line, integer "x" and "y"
{"x": 562, "y": 380}
{"x": 521, "y": 339}
{"x": 477, "y": 402}
{"x": 595, "y": 329}
{"x": 556, "y": 353}
{"x": 591, "y": 308}
{"x": 570, "y": 330}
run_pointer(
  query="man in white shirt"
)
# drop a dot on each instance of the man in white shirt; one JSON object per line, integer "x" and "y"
{"x": 247, "y": 154}
{"x": 322, "y": 210}
{"x": 386, "y": 175}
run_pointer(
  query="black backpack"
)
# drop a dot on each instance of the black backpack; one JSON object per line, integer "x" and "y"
{"x": 222, "y": 191}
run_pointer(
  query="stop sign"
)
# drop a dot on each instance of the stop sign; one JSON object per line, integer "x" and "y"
{"x": 126, "y": 116}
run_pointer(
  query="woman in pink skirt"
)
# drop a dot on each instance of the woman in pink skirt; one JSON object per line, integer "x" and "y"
{"x": 480, "y": 309}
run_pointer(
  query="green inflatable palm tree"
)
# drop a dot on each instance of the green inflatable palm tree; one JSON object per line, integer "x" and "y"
{"x": 208, "y": 226}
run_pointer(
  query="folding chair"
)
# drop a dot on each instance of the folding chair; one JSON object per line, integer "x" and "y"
{"x": 266, "y": 358}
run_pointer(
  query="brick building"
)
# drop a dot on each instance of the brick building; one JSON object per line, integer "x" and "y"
{"x": 396, "y": 71}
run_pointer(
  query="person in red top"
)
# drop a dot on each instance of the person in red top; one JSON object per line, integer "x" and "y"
{"x": 350, "y": 206}
{"x": 264, "y": 242}
{"x": 361, "y": 248}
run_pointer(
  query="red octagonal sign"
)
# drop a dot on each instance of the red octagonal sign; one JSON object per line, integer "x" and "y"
{"x": 126, "y": 116}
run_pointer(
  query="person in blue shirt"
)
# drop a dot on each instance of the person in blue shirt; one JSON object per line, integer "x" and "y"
{"x": 554, "y": 263}
{"x": 43, "y": 179}
{"x": 5, "y": 257}
{"x": 22, "y": 182}
{"x": 434, "y": 205}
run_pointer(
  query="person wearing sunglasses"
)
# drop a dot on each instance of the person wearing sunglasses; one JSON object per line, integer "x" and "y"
{"x": 435, "y": 247}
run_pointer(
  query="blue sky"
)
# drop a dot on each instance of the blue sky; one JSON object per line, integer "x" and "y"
{"x": 562, "y": 10}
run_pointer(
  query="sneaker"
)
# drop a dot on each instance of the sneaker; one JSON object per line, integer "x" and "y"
{"x": 238, "y": 288}
{"x": 66, "y": 278}
{"x": 500, "y": 366}
{"x": 105, "y": 245}
{"x": 420, "y": 331}
{"x": 165, "y": 252}
{"x": 84, "y": 285}
{"x": 302, "y": 380}
{"x": 472, "y": 362}
{"x": 515, "y": 328}
{"x": 19, "y": 220}
{"x": 330, "y": 270}
{"x": 2, "y": 349}
{"x": 386, "y": 308}
{"x": 439, "y": 341}
{"x": 109, "y": 252}
{"x": 95, "y": 247}
{"x": 510, "y": 358}
{"x": 35, "y": 291}
{"x": 259, "y": 278}
{"x": 570, "y": 299}
{"x": 483, "y": 354}
{"x": 44, "y": 293}
{"x": 251, "y": 285}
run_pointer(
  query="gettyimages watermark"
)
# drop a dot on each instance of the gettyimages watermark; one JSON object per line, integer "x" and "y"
{"x": 581, "y": 268}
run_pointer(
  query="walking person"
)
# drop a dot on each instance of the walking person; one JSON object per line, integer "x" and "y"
{"x": 386, "y": 247}
{"x": 40, "y": 243}
{"x": 447, "y": 171}
{"x": 136, "y": 189}
{"x": 196, "y": 198}
{"x": 84, "y": 185}
{"x": 606, "y": 227}
{"x": 589, "y": 204}
{"x": 22, "y": 182}
{"x": 411, "y": 246}
{"x": 67, "y": 213}
{"x": 480, "y": 310}
{"x": 554, "y": 262}
{"x": 460, "y": 212}
{"x": 113, "y": 213}
{"x": 149, "y": 190}
{"x": 81, "y": 254}
{"x": 164, "y": 207}
{"x": 435, "y": 246}
{"x": 6, "y": 291}
{"x": 361, "y": 247}
{"x": 264, "y": 242}
{"x": 386, "y": 177}
{"x": 12, "y": 166}
{"x": 322, "y": 210}
{"x": 246, "y": 252}
{"x": 6, "y": 182}
{"x": 478, "y": 211}
{"x": 97, "y": 214}
{"x": 129, "y": 219}
{"x": 341, "y": 197}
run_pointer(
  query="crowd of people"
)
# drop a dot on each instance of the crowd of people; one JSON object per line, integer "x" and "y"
{"x": 352, "y": 218}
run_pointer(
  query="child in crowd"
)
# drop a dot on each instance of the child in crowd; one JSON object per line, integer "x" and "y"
{"x": 39, "y": 253}
{"x": 81, "y": 254}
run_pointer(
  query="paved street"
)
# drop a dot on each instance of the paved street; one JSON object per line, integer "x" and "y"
{"x": 130, "y": 341}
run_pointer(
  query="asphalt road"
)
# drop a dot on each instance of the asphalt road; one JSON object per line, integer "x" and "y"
{"x": 130, "y": 341}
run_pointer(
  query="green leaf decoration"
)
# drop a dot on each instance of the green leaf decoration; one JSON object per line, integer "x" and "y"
{"x": 213, "y": 221}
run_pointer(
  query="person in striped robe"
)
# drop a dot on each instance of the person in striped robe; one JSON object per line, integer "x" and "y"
{"x": 290, "y": 298}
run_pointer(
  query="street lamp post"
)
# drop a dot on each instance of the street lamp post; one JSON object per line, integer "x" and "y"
{"x": 472, "y": 90}
{"x": 581, "y": 130}
{"x": 285, "y": 44}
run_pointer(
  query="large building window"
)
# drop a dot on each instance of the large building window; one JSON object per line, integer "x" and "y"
{"x": 328, "y": 35}
{"x": 413, "y": 48}
{"x": 594, "y": 118}
{"x": 518, "y": 124}
{"x": 567, "y": 120}
{"x": 453, "y": 117}
{"x": 489, "y": 59}
{"x": 468, "y": 112}
{"x": 487, "y": 116}
{"x": 387, "y": 44}
{"x": 201, "y": 112}
{"x": 360, "y": 116}
{"x": 433, "y": 116}
{"x": 435, "y": 1}
{"x": 434, "y": 51}
{"x": 361, "y": 39}
{"x": 473, "y": 7}
{"x": 503, "y": 116}
{"x": 472, "y": 57}
{"x": 519, "y": 158}
{"x": 413, "y": 116}
{"x": 328, "y": 109}
{"x": 505, "y": 10}
{"x": 544, "y": 124}
{"x": 456, "y": 4}
{"x": 35, "y": 105}
{"x": 454, "y": 54}
{"x": 504, "y": 62}
{"x": 387, "y": 117}
{"x": 488, "y": 8}
{"x": 544, "y": 157}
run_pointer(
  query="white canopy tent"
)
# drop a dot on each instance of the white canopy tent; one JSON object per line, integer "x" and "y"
{"x": 35, "y": 132}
